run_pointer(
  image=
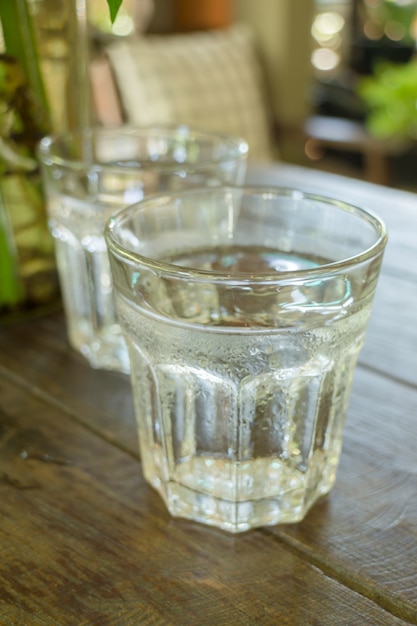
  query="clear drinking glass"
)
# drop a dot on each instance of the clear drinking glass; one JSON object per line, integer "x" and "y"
{"x": 244, "y": 311}
{"x": 91, "y": 175}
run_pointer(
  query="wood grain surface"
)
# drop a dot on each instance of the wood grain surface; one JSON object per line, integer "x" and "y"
{"x": 84, "y": 540}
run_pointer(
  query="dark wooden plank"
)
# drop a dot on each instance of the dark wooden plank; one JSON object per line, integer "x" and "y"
{"x": 366, "y": 530}
{"x": 84, "y": 541}
{"x": 35, "y": 354}
{"x": 390, "y": 344}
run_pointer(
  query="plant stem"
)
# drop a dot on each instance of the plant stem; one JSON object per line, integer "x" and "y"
{"x": 20, "y": 44}
{"x": 10, "y": 285}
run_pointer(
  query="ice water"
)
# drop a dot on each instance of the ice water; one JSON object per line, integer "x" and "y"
{"x": 241, "y": 396}
{"x": 86, "y": 283}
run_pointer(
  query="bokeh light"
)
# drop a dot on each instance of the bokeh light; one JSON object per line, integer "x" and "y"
{"x": 325, "y": 59}
{"x": 326, "y": 31}
{"x": 326, "y": 26}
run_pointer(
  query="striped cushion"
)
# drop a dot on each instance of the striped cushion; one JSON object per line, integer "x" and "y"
{"x": 211, "y": 80}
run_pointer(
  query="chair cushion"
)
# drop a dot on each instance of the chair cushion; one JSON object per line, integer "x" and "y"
{"x": 210, "y": 80}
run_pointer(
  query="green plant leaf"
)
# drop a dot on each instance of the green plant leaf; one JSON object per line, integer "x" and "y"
{"x": 11, "y": 291}
{"x": 114, "y": 6}
{"x": 20, "y": 43}
{"x": 390, "y": 94}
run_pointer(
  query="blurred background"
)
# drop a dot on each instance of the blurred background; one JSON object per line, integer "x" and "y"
{"x": 340, "y": 75}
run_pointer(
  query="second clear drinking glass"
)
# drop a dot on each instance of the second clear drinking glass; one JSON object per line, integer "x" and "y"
{"x": 88, "y": 177}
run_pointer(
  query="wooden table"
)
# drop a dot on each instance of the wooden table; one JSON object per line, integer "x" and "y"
{"x": 83, "y": 539}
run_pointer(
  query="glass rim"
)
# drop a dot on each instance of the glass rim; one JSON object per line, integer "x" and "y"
{"x": 237, "y": 149}
{"x": 171, "y": 270}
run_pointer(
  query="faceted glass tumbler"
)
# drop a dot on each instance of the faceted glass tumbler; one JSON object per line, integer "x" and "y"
{"x": 91, "y": 175}
{"x": 244, "y": 310}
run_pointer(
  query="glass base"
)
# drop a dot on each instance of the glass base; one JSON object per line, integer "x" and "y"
{"x": 105, "y": 355}
{"x": 238, "y": 517}
{"x": 261, "y": 492}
